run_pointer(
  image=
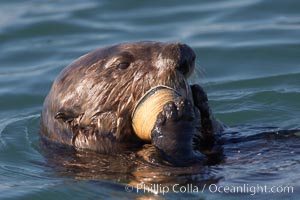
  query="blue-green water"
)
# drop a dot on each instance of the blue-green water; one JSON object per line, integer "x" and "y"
{"x": 248, "y": 60}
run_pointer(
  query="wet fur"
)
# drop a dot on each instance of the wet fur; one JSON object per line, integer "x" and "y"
{"x": 91, "y": 101}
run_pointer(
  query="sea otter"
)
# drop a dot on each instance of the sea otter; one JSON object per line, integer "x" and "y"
{"x": 91, "y": 102}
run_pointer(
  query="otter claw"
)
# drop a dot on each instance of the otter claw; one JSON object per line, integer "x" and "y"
{"x": 185, "y": 109}
{"x": 180, "y": 109}
{"x": 170, "y": 111}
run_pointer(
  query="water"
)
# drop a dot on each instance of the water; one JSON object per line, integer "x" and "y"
{"x": 247, "y": 60}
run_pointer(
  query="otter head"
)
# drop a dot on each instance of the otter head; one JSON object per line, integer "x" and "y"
{"x": 100, "y": 90}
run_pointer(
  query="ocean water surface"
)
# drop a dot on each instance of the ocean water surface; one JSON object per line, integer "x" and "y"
{"x": 248, "y": 61}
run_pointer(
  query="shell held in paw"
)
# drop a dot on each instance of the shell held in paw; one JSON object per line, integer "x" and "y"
{"x": 147, "y": 109}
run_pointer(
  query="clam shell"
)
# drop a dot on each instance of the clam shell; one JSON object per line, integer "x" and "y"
{"x": 149, "y": 106}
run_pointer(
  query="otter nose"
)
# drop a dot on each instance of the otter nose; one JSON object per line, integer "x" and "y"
{"x": 187, "y": 59}
{"x": 182, "y": 55}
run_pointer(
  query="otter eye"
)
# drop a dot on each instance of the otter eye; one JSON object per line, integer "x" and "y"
{"x": 123, "y": 65}
{"x": 123, "y": 60}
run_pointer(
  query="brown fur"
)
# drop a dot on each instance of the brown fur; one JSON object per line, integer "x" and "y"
{"x": 91, "y": 101}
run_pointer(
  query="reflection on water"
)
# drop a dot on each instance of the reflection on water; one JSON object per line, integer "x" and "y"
{"x": 251, "y": 153}
{"x": 132, "y": 167}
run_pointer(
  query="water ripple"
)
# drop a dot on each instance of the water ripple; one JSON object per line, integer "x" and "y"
{"x": 6, "y": 122}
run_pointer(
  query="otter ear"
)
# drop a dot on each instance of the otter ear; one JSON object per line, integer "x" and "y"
{"x": 66, "y": 115}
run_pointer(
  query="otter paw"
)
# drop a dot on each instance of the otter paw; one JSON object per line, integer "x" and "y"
{"x": 200, "y": 99}
{"x": 201, "y": 102}
{"x": 176, "y": 116}
{"x": 174, "y": 130}
{"x": 178, "y": 110}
